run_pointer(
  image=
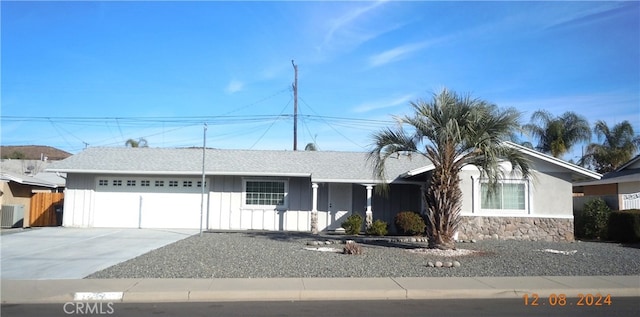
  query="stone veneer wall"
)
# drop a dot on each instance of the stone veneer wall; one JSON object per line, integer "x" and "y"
{"x": 515, "y": 228}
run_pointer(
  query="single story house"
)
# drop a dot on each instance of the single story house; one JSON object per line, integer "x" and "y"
{"x": 298, "y": 191}
{"x": 620, "y": 188}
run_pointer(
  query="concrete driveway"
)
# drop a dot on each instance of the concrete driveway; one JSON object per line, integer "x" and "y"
{"x": 73, "y": 253}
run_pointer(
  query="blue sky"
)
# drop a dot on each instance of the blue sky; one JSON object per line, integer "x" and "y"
{"x": 78, "y": 74}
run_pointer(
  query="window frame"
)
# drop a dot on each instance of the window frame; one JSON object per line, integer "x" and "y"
{"x": 285, "y": 199}
{"x": 504, "y": 211}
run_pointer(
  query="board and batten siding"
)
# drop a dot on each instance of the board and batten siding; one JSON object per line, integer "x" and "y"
{"x": 78, "y": 200}
{"x": 228, "y": 211}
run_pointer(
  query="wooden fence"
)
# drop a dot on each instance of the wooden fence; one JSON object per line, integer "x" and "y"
{"x": 43, "y": 209}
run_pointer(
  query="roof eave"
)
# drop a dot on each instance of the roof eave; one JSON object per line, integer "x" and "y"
{"x": 207, "y": 173}
{"x": 26, "y": 181}
{"x": 579, "y": 171}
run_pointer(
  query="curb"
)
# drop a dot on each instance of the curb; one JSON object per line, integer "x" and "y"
{"x": 312, "y": 289}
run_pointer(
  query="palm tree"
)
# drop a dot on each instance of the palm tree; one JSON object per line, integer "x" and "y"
{"x": 451, "y": 131}
{"x": 556, "y": 135}
{"x": 141, "y": 142}
{"x": 311, "y": 146}
{"x": 619, "y": 145}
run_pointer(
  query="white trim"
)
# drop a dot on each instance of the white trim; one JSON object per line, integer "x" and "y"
{"x": 418, "y": 171}
{"x": 477, "y": 199}
{"x": 499, "y": 215}
{"x": 184, "y": 173}
{"x": 364, "y": 181}
{"x": 548, "y": 158}
{"x": 533, "y": 153}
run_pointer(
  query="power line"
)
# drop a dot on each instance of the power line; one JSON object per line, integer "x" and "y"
{"x": 269, "y": 128}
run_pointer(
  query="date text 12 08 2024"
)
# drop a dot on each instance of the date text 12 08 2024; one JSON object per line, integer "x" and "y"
{"x": 562, "y": 300}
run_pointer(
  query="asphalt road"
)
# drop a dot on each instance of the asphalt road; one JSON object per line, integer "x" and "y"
{"x": 624, "y": 306}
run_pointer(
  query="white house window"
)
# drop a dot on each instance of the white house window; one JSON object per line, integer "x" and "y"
{"x": 131, "y": 182}
{"x": 173, "y": 183}
{"x": 159, "y": 183}
{"x": 103, "y": 182}
{"x": 145, "y": 183}
{"x": 265, "y": 193}
{"x": 117, "y": 182}
{"x": 187, "y": 184}
{"x": 508, "y": 196}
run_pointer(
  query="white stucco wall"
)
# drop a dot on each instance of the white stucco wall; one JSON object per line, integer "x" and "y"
{"x": 548, "y": 192}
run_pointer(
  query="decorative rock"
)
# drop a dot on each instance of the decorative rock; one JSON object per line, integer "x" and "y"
{"x": 448, "y": 264}
{"x": 456, "y": 264}
{"x": 494, "y": 236}
{"x": 430, "y": 264}
{"x": 327, "y": 242}
{"x": 438, "y": 264}
{"x": 473, "y": 240}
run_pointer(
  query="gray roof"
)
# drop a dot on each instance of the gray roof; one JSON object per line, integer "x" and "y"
{"x": 321, "y": 166}
{"x": 30, "y": 172}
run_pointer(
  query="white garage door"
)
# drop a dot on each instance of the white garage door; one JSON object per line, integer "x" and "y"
{"x": 130, "y": 202}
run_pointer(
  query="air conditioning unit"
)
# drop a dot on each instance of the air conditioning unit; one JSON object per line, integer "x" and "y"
{"x": 12, "y": 216}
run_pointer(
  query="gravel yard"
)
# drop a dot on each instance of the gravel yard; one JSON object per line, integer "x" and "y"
{"x": 264, "y": 255}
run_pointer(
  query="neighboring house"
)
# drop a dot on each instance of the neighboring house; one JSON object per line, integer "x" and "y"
{"x": 20, "y": 181}
{"x": 620, "y": 188}
{"x": 33, "y": 152}
{"x": 286, "y": 190}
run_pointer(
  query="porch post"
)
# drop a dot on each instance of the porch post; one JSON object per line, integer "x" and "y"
{"x": 369, "y": 212}
{"x": 314, "y": 209}
{"x": 423, "y": 200}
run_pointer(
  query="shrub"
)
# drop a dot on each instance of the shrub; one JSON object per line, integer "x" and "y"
{"x": 595, "y": 218}
{"x": 378, "y": 228}
{"x": 352, "y": 248}
{"x": 353, "y": 224}
{"x": 624, "y": 225}
{"x": 409, "y": 223}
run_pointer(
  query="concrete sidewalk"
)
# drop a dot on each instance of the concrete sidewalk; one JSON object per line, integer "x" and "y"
{"x": 297, "y": 289}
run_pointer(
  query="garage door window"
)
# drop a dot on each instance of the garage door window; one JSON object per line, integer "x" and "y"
{"x": 265, "y": 193}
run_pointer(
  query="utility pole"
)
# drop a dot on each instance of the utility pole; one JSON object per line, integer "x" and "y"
{"x": 204, "y": 152}
{"x": 295, "y": 107}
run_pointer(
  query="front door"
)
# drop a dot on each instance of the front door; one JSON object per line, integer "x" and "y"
{"x": 339, "y": 204}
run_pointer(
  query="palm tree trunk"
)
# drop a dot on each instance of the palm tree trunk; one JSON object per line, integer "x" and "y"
{"x": 444, "y": 199}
